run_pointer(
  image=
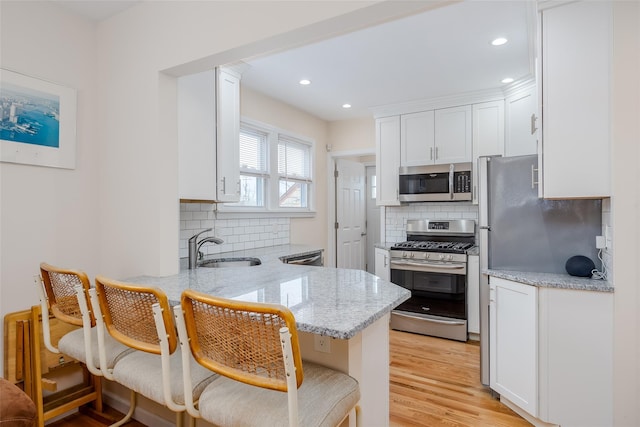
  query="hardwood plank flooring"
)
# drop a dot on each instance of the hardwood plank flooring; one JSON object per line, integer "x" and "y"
{"x": 436, "y": 382}
{"x": 433, "y": 382}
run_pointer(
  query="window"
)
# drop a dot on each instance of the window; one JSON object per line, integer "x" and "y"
{"x": 294, "y": 173}
{"x": 276, "y": 172}
{"x": 253, "y": 167}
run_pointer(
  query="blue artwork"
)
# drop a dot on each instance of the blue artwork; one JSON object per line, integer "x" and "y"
{"x": 29, "y": 116}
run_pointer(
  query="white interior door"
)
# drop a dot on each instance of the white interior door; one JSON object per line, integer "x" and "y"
{"x": 350, "y": 215}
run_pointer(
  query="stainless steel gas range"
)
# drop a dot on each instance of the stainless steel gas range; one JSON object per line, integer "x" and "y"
{"x": 432, "y": 264}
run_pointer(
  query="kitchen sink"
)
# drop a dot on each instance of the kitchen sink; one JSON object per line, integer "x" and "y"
{"x": 230, "y": 262}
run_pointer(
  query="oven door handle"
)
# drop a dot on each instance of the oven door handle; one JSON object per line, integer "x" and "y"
{"x": 428, "y": 264}
{"x": 430, "y": 319}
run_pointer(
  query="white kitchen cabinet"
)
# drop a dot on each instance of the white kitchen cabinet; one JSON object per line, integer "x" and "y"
{"x": 417, "y": 137}
{"x": 575, "y": 357}
{"x": 388, "y": 160}
{"x": 473, "y": 295}
{"x": 228, "y": 136}
{"x": 382, "y": 264}
{"x": 576, "y": 81}
{"x": 488, "y": 135}
{"x": 551, "y": 352}
{"x": 453, "y": 135}
{"x": 208, "y": 136}
{"x": 513, "y": 342}
{"x": 521, "y": 122}
{"x": 197, "y": 136}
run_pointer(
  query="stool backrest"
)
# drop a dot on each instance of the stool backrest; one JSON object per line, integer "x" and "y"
{"x": 59, "y": 285}
{"x": 241, "y": 340}
{"x": 127, "y": 310}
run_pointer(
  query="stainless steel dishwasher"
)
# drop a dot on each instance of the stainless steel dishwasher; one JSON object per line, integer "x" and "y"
{"x": 312, "y": 258}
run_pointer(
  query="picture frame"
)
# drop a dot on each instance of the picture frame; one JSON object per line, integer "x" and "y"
{"x": 37, "y": 121}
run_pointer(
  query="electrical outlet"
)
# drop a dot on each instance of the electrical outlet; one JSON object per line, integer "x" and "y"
{"x": 600, "y": 242}
{"x": 322, "y": 344}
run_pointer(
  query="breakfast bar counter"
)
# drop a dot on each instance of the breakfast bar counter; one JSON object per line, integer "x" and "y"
{"x": 350, "y": 307}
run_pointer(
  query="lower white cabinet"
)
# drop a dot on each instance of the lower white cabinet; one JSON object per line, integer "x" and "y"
{"x": 513, "y": 342}
{"x": 382, "y": 264}
{"x": 551, "y": 352}
{"x": 473, "y": 294}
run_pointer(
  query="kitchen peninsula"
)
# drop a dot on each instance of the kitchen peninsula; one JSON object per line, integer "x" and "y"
{"x": 349, "y": 308}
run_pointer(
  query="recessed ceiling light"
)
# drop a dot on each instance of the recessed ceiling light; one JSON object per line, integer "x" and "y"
{"x": 507, "y": 80}
{"x": 305, "y": 82}
{"x": 346, "y": 105}
{"x": 499, "y": 41}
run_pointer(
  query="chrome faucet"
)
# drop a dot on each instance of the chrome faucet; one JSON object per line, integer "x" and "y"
{"x": 194, "y": 246}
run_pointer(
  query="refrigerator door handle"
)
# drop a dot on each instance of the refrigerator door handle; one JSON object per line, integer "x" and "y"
{"x": 533, "y": 177}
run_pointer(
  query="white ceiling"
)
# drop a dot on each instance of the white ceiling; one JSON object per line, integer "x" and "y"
{"x": 440, "y": 52}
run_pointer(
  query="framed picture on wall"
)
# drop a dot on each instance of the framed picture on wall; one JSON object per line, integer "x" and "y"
{"x": 37, "y": 121}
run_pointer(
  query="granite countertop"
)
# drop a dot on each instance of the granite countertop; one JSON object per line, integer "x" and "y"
{"x": 553, "y": 280}
{"x": 335, "y": 302}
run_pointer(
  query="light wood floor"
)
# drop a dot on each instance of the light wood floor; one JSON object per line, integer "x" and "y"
{"x": 433, "y": 382}
{"x": 436, "y": 382}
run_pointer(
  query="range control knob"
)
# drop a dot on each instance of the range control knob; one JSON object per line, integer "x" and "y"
{"x": 442, "y": 256}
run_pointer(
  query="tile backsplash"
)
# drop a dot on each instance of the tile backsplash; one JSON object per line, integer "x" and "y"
{"x": 238, "y": 234}
{"x": 397, "y": 216}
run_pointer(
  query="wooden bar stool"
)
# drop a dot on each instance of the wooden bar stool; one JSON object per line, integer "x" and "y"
{"x": 263, "y": 381}
{"x": 59, "y": 290}
{"x": 141, "y": 318}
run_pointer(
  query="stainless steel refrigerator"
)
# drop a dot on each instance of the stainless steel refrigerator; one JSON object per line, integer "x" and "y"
{"x": 520, "y": 232}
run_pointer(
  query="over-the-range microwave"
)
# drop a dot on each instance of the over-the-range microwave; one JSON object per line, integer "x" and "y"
{"x": 435, "y": 183}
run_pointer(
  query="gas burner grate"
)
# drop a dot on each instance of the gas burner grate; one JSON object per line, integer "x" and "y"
{"x": 433, "y": 246}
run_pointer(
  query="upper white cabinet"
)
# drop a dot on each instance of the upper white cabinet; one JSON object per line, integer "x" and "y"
{"x": 488, "y": 135}
{"x": 388, "y": 159}
{"x": 576, "y": 50}
{"x": 208, "y": 131}
{"x": 197, "y": 136}
{"x": 453, "y": 135}
{"x": 438, "y": 136}
{"x": 521, "y": 133}
{"x": 417, "y": 136}
{"x": 228, "y": 136}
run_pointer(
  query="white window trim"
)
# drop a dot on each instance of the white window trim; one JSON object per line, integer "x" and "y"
{"x": 271, "y": 200}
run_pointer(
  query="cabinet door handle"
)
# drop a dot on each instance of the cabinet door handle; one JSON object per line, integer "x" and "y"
{"x": 430, "y": 153}
{"x": 436, "y": 153}
{"x": 533, "y": 123}
{"x": 239, "y": 187}
{"x": 224, "y": 185}
{"x": 386, "y": 261}
{"x": 533, "y": 176}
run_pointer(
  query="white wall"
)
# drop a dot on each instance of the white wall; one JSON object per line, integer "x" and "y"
{"x": 49, "y": 214}
{"x": 256, "y": 106}
{"x": 625, "y": 212}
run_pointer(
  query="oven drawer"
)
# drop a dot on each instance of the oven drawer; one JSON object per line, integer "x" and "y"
{"x": 455, "y": 329}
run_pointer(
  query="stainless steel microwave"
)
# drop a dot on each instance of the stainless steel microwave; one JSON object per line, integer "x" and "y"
{"x": 435, "y": 183}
